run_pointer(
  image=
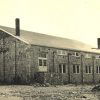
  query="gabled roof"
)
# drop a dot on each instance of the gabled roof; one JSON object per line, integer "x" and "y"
{"x": 50, "y": 41}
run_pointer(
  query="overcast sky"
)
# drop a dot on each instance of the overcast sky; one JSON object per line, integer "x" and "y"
{"x": 75, "y": 19}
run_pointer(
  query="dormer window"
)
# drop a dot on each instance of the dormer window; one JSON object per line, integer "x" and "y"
{"x": 77, "y": 54}
{"x": 61, "y": 52}
{"x": 87, "y": 55}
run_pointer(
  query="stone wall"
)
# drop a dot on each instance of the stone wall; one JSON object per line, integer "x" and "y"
{"x": 19, "y": 60}
{"x": 15, "y": 59}
{"x": 54, "y": 77}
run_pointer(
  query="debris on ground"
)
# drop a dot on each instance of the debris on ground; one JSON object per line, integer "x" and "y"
{"x": 96, "y": 88}
{"x": 60, "y": 92}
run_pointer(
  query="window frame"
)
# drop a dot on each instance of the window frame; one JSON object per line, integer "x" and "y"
{"x": 61, "y": 68}
{"x": 98, "y": 69}
{"x": 97, "y": 57}
{"x": 42, "y": 58}
{"x": 75, "y": 54}
{"x": 76, "y": 69}
{"x": 88, "y": 69}
{"x": 62, "y": 52}
{"x": 88, "y": 55}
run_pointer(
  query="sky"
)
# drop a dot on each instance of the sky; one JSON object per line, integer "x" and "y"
{"x": 74, "y": 19}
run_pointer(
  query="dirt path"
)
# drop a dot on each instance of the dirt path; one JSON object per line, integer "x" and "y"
{"x": 67, "y": 92}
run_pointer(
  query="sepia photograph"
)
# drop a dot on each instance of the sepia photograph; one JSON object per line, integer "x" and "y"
{"x": 49, "y": 49}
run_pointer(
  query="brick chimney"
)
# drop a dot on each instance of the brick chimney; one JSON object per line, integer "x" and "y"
{"x": 98, "y": 43}
{"x": 17, "y": 25}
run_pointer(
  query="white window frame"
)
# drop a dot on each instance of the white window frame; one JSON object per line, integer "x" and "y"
{"x": 98, "y": 69}
{"x": 42, "y": 68}
{"x": 76, "y": 69}
{"x": 89, "y": 69}
{"x": 97, "y": 57}
{"x": 40, "y": 58}
{"x": 62, "y": 68}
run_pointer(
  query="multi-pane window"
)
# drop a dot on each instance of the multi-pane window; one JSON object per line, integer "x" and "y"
{"x": 88, "y": 69}
{"x": 61, "y": 52}
{"x": 98, "y": 69}
{"x": 42, "y": 59}
{"x": 43, "y": 55}
{"x": 97, "y": 56}
{"x": 42, "y": 62}
{"x": 62, "y": 68}
{"x": 76, "y": 54}
{"x": 88, "y": 55}
{"x": 76, "y": 69}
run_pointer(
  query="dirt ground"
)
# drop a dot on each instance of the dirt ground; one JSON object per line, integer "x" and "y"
{"x": 65, "y": 92}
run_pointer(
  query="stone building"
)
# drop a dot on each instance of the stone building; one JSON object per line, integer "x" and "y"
{"x": 28, "y": 57}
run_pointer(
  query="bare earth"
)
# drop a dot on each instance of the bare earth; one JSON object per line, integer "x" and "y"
{"x": 65, "y": 92}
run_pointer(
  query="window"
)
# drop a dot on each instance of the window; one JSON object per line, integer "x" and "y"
{"x": 77, "y": 54}
{"x": 97, "y": 56}
{"x": 62, "y": 68}
{"x": 98, "y": 69}
{"x": 87, "y": 55}
{"x": 42, "y": 62}
{"x": 43, "y": 55}
{"x": 42, "y": 59}
{"x": 61, "y": 52}
{"x": 88, "y": 69}
{"x": 76, "y": 69}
